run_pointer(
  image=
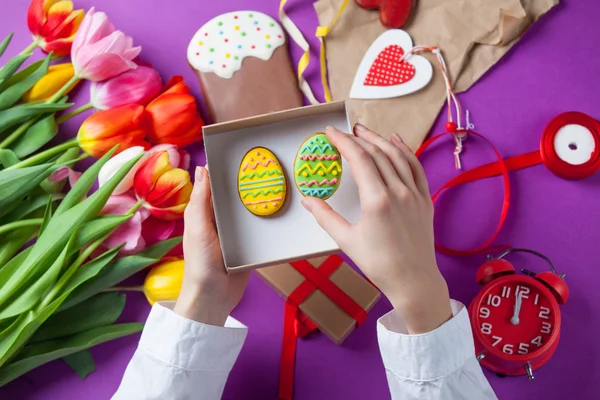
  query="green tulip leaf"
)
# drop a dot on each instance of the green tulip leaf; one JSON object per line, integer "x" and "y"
{"x": 13, "y": 338}
{"x": 25, "y": 300}
{"x": 60, "y": 228}
{"x": 99, "y": 227}
{"x": 84, "y": 184}
{"x": 28, "y": 206}
{"x": 8, "y": 270}
{"x": 25, "y": 112}
{"x": 81, "y": 362}
{"x": 47, "y": 215}
{"x": 15, "y": 185}
{"x": 13, "y": 242}
{"x": 8, "y": 158}
{"x": 28, "y": 70}
{"x": 120, "y": 270}
{"x": 34, "y": 355}
{"x": 4, "y": 44}
{"x": 90, "y": 269}
{"x": 35, "y": 137}
{"x": 14, "y": 92}
{"x": 89, "y": 232}
{"x": 100, "y": 310}
{"x": 55, "y": 188}
{"x": 10, "y": 68}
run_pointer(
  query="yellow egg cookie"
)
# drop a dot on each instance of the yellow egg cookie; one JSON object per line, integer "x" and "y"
{"x": 261, "y": 182}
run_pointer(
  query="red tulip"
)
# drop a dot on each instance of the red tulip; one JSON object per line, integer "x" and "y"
{"x": 54, "y": 24}
{"x": 125, "y": 126}
{"x": 165, "y": 191}
{"x": 174, "y": 116}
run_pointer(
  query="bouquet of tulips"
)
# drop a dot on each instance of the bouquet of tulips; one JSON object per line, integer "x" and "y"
{"x": 62, "y": 253}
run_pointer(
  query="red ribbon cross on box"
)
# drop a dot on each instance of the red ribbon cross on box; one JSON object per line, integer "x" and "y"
{"x": 296, "y": 324}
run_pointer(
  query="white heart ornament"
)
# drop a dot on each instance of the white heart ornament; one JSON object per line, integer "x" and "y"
{"x": 381, "y": 75}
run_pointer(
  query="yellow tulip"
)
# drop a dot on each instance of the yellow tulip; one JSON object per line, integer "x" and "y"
{"x": 163, "y": 282}
{"x": 57, "y": 76}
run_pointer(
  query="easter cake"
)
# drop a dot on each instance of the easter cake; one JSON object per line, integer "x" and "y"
{"x": 243, "y": 65}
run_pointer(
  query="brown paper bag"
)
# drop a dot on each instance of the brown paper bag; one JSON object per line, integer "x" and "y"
{"x": 472, "y": 34}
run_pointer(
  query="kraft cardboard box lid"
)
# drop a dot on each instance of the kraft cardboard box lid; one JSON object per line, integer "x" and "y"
{"x": 249, "y": 241}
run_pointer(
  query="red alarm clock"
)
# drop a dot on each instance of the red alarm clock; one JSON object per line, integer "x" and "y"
{"x": 516, "y": 318}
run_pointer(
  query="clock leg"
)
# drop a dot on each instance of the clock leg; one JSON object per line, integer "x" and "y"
{"x": 480, "y": 356}
{"x": 529, "y": 371}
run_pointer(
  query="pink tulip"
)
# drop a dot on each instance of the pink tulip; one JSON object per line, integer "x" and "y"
{"x": 141, "y": 230}
{"x": 177, "y": 158}
{"x": 139, "y": 86}
{"x": 100, "y": 52}
{"x": 129, "y": 232}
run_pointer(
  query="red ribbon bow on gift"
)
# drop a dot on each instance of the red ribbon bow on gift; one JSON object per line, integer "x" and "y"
{"x": 296, "y": 324}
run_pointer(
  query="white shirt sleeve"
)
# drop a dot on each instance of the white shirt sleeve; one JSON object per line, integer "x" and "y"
{"x": 178, "y": 358}
{"x": 437, "y": 365}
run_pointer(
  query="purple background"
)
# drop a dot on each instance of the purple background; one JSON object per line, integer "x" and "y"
{"x": 553, "y": 69}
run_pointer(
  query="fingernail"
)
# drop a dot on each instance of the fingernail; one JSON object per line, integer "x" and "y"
{"x": 360, "y": 128}
{"x": 330, "y": 129}
{"x": 306, "y": 203}
{"x": 397, "y": 138}
{"x": 199, "y": 174}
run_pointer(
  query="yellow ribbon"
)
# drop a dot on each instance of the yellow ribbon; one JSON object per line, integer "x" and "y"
{"x": 296, "y": 35}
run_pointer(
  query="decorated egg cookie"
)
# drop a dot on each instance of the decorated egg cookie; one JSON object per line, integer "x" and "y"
{"x": 318, "y": 167}
{"x": 261, "y": 182}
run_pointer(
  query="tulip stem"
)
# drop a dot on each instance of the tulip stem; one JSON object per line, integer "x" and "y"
{"x": 20, "y": 224}
{"x": 73, "y": 113}
{"x": 61, "y": 92}
{"x": 29, "y": 49}
{"x": 16, "y": 134}
{"x": 135, "y": 207}
{"x": 44, "y": 155}
{"x": 125, "y": 289}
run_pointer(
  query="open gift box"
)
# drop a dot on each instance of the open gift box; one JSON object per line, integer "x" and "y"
{"x": 249, "y": 241}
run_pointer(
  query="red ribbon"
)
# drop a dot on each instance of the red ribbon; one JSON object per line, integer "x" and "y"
{"x": 546, "y": 154}
{"x": 505, "y": 204}
{"x": 296, "y": 324}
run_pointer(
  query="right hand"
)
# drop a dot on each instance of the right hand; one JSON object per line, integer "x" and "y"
{"x": 393, "y": 241}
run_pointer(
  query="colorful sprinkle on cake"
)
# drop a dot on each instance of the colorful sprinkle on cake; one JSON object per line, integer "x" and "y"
{"x": 228, "y": 34}
{"x": 318, "y": 167}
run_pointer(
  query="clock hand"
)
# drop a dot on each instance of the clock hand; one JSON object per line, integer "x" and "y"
{"x": 515, "y": 318}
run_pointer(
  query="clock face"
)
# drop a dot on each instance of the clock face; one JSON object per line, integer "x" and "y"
{"x": 516, "y": 317}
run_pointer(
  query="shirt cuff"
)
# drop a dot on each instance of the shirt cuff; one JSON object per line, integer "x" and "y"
{"x": 191, "y": 345}
{"x": 430, "y": 355}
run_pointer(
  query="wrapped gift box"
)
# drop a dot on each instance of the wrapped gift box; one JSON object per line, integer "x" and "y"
{"x": 319, "y": 307}
{"x": 249, "y": 241}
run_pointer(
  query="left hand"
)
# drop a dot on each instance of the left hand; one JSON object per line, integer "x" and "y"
{"x": 208, "y": 294}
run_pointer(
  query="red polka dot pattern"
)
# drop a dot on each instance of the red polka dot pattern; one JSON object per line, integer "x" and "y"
{"x": 387, "y": 70}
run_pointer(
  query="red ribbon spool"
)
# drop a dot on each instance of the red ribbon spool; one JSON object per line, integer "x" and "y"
{"x": 555, "y": 147}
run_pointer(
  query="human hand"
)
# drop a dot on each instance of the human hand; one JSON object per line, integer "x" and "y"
{"x": 208, "y": 294}
{"x": 393, "y": 241}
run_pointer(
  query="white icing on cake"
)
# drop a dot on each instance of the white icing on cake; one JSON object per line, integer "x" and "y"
{"x": 222, "y": 43}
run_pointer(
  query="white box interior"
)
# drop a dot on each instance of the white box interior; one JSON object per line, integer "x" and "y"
{"x": 250, "y": 241}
